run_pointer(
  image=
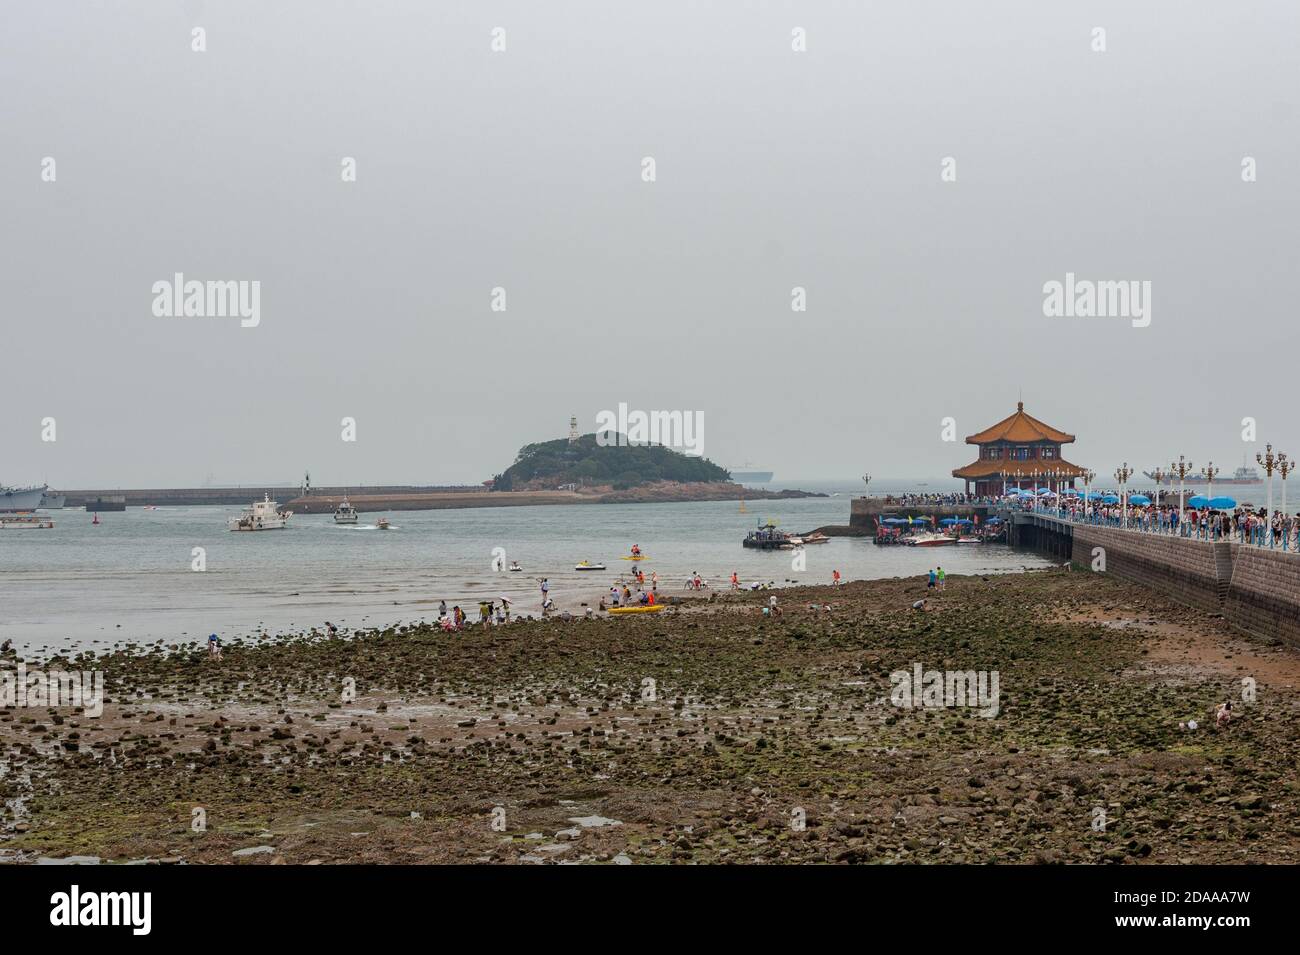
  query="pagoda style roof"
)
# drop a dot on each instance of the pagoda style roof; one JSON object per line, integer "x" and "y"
{"x": 1020, "y": 428}
{"x": 1013, "y": 470}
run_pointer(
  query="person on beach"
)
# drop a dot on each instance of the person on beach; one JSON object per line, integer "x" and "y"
{"x": 546, "y": 588}
{"x": 835, "y": 578}
{"x": 458, "y": 616}
{"x": 331, "y": 630}
{"x": 442, "y": 609}
{"x": 735, "y": 581}
{"x": 505, "y": 610}
{"x": 214, "y": 646}
{"x": 930, "y": 584}
{"x": 774, "y": 610}
{"x": 919, "y": 605}
{"x": 942, "y": 577}
{"x": 1223, "y": 714}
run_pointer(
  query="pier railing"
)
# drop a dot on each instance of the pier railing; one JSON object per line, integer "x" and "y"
{"x": 1287, "y": 538}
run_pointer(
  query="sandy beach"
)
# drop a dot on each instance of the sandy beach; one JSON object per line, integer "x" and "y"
{"x": 759, "y": 740}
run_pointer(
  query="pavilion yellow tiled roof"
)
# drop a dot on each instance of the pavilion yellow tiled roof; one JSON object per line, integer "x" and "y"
{"x": 1020, "y": 427}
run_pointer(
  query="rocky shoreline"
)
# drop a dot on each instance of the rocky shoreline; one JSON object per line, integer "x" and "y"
{"x": 709, "y": 733}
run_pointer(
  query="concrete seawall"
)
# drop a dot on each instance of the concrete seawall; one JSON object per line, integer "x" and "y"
{"x": 1264, "y": 594}
{"x": 1257, "y": 591}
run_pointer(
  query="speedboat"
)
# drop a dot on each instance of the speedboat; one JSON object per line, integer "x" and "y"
{"x": 345, "y": 513}
{"x": 817, "y": 538}
{"x": 382, "y": 524}
{"x": 932, "y": 540}
{"x": 263, "y": 515}
{"x": 586, "y": 566}
{"x": 515, "y": 568}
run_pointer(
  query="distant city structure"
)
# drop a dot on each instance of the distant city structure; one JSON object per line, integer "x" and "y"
{"x": 573, "y": 430}
{"x": 1019, "y": 452}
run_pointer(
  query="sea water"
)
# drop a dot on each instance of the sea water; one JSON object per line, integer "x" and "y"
{"x": 131, "y": 578}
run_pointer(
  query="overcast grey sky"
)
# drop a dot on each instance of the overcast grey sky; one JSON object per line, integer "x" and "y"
{"x": 523, "y": 169}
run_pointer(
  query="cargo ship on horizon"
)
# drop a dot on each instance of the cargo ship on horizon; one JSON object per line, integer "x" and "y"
{"x": 1242, "y": 476}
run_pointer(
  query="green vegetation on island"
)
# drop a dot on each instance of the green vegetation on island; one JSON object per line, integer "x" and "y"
{"x": 587, "y": 463}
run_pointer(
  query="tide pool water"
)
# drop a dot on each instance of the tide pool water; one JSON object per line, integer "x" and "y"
{"x": 80, "y": 586}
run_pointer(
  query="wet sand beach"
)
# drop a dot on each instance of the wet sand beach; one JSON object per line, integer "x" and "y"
{"x": 759, "y": 739}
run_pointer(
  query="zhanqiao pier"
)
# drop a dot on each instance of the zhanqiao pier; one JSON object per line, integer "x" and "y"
{"x": 1255, "y": 588}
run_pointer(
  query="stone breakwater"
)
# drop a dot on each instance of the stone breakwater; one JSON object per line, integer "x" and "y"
{"x": 1256, "y": 590}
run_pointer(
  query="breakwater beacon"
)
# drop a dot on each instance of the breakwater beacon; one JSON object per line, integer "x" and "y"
{"x": 1019, "y": 452}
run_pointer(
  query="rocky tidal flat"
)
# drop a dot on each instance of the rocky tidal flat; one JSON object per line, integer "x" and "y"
{"x": 708, "y": 733}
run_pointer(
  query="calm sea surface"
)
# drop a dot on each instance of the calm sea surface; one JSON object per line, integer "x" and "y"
{"x": 130, "y": 579}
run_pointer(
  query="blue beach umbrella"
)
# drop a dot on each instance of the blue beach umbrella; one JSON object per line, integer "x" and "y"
{"x": 954, "y": 520}
{"x": 1109, "y": 499}
{"x": 1044, "y": 490}
{"x": 894, "y": 520}
{"x": 1198, "y": 500}
{"x": 1070, "y": 492}
{"x": 994, "y": 520}
{"x": 1139, "y": 499}
{"x": 1094, "y": 495}
{"x": 1222, "y": 503}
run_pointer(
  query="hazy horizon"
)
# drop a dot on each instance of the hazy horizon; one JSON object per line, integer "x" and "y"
{"x": 522, "y": 169}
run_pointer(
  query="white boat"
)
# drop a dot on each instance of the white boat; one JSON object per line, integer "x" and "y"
{"x": 21, "y": 498}
{"x": 931, "y": 540}
{"x": 515, "y": 568}
{"x": 345, "y": 513}
{"x": 586, "y": 566}
{"x": 52, "y": 500}
{"x": 382, "y": 523}
{"x": 263, "y": 515}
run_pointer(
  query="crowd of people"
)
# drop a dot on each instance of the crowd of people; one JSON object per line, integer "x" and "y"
{"x": 1243, "y": 525}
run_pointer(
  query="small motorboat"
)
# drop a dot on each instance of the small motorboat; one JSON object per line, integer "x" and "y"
{"x": 817, "y": 538}
{"x": 345, "y": 513}
{"x": 515, "y": 568}
{"x": 382, "y": 524}
{"x": 584, "y": 565}
{"x": 932, "y": 540}
{"x": 649, "y": 608}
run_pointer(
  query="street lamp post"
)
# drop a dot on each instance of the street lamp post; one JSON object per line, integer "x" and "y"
{"x": 1182, "y": 469}
{"x": 866, "y": 479}
{"x": 1088, "y": 478}
{"x": 1122, "y": 475}
{"x": 1158, "y": 476}
{"x": 1269, "y": 460}
{"x": 1284, "y": 468}
{"x": 1210, "y": 471}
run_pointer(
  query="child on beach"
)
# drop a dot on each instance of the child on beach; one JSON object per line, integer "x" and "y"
{"x": 1223, "y": 714}
{"x": 835, "y": 578}
{"x": 214, "y": 646}
{"x": 942, "y": 577}
{"x": 930, "y": 585}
